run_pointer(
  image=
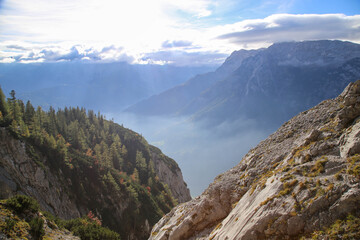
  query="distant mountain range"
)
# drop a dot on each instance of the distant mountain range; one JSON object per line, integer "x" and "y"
{"x": 267, "y": 85}
{"x": 99, "y": 86}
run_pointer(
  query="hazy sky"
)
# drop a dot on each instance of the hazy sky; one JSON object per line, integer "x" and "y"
{"x": 164, "y": 31}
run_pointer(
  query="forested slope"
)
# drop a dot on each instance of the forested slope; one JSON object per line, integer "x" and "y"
{"x": 86, "y": 162}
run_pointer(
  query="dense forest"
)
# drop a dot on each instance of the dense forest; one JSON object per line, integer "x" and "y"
{"x": 97, "y": 157}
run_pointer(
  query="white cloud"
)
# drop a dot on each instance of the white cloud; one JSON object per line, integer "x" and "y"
{"x": 54, "y": 53}
{"x": 142, "y": 31}
{"x": 134, "y": 24}
{"x": 176, "y": 44}
{"x": 183, "y": 58}
{"x": 288, "y": 27}
{"x": 7, "y": 60}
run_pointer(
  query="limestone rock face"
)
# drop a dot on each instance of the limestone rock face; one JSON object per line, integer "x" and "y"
{"x": 172, "y": 176}
{"x": 300, "y": 179}
{"x": 20, "y": 174}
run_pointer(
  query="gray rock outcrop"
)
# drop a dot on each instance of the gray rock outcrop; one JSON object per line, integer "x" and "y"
{"x": 300, "y": 179}
{"x": 20, "y": 174}
{"x": 170, "y": 173}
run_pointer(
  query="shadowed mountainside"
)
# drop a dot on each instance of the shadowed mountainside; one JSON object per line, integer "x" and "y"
{"x": 266, "y": 85}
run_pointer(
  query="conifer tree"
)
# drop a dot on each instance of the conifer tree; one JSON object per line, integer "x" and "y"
{"x": 12, "y": 94}
{"x": 142, "y": 166}
{"x": 4, "y": 108}
{"x": 29, "y": 113}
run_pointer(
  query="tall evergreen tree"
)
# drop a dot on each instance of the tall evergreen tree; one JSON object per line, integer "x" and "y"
{"x": 12, "y": 94}
{"x": 29, "y": 113}
{"x": 4, "y": 108}
{"x": 142, "y": 166}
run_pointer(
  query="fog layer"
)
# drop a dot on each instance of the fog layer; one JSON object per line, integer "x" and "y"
{"x": 202, "y": 153}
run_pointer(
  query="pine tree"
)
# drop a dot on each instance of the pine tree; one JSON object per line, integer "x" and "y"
{"x": 61, "y": 147}
{"x": 14, "y": 126}
{"x": 29, "y": 113}
{"x": 24, "y": 130}
{"x": 15, "y": 110}
{"x": 4, "y": 108}
{"x": 52, "y": 122}
{"x": 142, "y": 166}
{"x": 12, "y": 94}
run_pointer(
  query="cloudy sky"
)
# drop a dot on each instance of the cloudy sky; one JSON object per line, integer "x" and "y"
{"x": 180, "y": 32}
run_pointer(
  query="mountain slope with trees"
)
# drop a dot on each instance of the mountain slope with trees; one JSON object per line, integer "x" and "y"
{"x": 74, "y": 161}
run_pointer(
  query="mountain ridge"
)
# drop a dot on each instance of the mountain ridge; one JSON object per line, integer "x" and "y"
{"x": 98, "y": 86}
{"x": 239, "y": 90}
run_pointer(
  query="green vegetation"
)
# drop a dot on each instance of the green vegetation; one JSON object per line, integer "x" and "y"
{"x": 94, "y": 158}
{"x": 37, "y": 227}
{"x": 341, "y": 229}
{"x": 89, "y": 228}
{"x": 22, "y": 204}
{"x": 288, "y": 187}
{"x": 319, "y": 167}
{"x": 354, "y": 165}
{"x": 298, "y": 151}
{"x": 261, "y": 181}
{"x": 20, "y": 218}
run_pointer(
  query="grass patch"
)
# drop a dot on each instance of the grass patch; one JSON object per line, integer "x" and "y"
{"x": 319, "y": 167}
{"x": 354, "y": 166}
{"x": 342, "y": 229}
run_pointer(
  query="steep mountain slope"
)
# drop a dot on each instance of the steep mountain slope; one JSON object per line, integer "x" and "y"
{"x": 304, "y": 177}
{"x": 277, "y": 82}
{"x": 180, "y": 96}
{"x": 73, "y": 162}
{"x": 99, "y": 86}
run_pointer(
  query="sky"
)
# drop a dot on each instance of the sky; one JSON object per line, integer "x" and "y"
{"x": 179, "y": 32}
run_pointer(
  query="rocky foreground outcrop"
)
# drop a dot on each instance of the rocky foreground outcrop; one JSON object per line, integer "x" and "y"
{"x": 300, "y": 179}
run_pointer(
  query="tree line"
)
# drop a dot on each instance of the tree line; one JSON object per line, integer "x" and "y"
{"x": 98, "y": 150}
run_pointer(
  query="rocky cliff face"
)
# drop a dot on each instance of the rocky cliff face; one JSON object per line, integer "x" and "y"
{"x": 170, "y": 173}
{"x": 19, "y": 173}
{"x": 302, "y": 178}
